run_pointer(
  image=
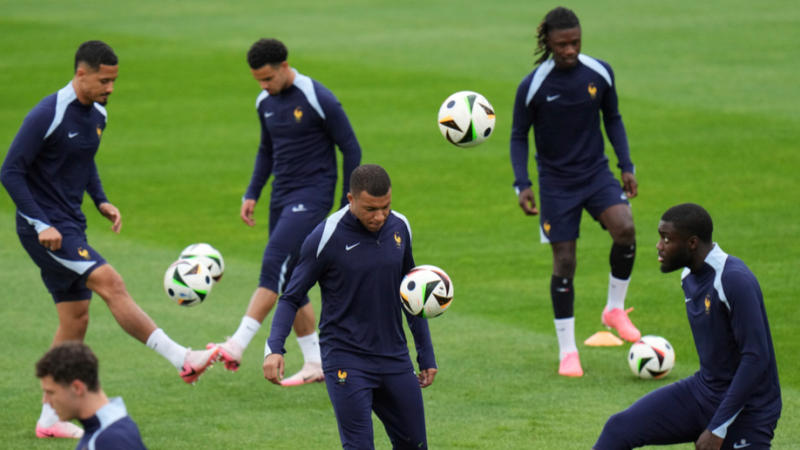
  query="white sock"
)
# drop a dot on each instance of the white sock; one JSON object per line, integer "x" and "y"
{"x": 617, "y": 289}
{"x": 166, "y": 347}
{"x": 565, "y": 332}
{"x": 48, "y": 418}
{"x": 246, "y": 331}
{"x": 309, "y": 344}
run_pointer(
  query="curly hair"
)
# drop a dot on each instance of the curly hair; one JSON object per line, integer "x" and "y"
{"x": 95, "y": 53}
{"x": 559, "y": 18}
{"x": 266, "y": 51}
{"x": 70, "y": 361}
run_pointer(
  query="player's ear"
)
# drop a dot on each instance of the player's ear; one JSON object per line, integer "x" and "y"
{"x": 78, "y": 387}
{"x": 350, "y": 197}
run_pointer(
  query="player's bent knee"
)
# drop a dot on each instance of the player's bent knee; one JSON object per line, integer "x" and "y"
{"x": 107, "y": 283}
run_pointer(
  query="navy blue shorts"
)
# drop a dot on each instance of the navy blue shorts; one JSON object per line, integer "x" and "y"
{"x": 560, "y": 208}
{"x": 288, "y": 228}
{"x": 396, "y": 399}
{"x": 64, "y": 271}
{"x": 674, "y": 414}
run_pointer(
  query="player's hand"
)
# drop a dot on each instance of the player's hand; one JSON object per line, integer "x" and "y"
{"x": 527, "y": 201}
{"x": 248, "y": 207}
{"x": 50, "y": 238}
{"x": 708, "y": 441}
{"x": 111, "y": 213}
{"x": 426, "y": 377}
{"x": 273, "y": 368}
{"x": 629, "y": 184}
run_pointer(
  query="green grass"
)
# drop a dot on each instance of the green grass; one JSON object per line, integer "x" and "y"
{"x": 708, "y": 94}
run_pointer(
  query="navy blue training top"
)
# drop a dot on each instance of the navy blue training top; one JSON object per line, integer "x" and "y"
{"x": 111, "y": 428}
{"x": 50, "y": 164}
{"x": 563, "y": 107}
{"x": 299, "y": 128}
{"x": 359, "y": 274}
{"x": 729, "y": 323}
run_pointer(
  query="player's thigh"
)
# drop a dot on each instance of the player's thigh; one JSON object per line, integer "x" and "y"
{"x": 668, "y": 415}
{"x": 351, "y": 394}
{"x": 560, "y": 213}
{"x": 286, "y": 237}
{"x": 398, "y": 403}
{"x": 65, "y": 270}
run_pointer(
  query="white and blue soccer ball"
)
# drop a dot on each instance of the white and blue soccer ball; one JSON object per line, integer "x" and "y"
{"x": 188, "y": 281}
{"x": 652, "y": 357}
{"x": 216, "y": 265}
{"x": 426, "y": 291}
{"x": 466, "y": 119}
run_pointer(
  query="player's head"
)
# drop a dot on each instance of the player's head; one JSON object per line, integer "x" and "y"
{"x": 559, "y": 35}
{"x": 685, "y": 232}
{"x": 96, "y": 69}
{"x": 67, "y": 372}
{"x": 370, "y": 195}
{"x": 267, "y": 60}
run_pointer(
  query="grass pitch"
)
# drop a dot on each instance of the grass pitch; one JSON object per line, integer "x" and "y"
{"x": 708, "y": 97}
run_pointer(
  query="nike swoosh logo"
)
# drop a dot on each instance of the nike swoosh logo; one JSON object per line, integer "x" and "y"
{"x": 267, "y": 115}
{"x": 72, "y": 135}
{"x": 350, "y": 247}
{"x": 550, "y": 98}
{"x": 741, "y": 445}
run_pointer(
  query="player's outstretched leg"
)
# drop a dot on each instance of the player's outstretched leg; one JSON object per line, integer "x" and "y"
{"x": 196, "y": 362}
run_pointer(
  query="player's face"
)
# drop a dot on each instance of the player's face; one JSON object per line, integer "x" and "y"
{"x": 272, "y": 78}
{"x": 673, "y": 249}
{"x": 565, "y": 45}
{"x": 371, "y": 211}
{"x": 62, "y": 398}
{"x": 95, "y": 85}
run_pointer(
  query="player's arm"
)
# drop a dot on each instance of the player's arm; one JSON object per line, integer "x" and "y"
{"x": 306, "y": 273}
{"x": 27, "y": 144}
{"x": 98, "y": 195}
{"x": 520, "y": 129}
{"x": 615, "y": 130}
{"x": 339, "y": 128}
{"x": 747, "y": 322}
{"x": 262, "y": 169}
{"x": 426, "y": 359}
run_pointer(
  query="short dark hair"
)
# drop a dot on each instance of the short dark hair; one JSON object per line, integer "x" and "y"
{"x": 558, "y": 18}
{"x": 690, "y": 220}
{"x": 266, "y": 51}
{"x": 371, "y": 178}
{"x": 70, "y": 361}
{"x": 95, "y": 53}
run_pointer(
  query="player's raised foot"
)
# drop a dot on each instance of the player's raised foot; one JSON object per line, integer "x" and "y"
{"x": 59, "y": 430}
{"x": 617, "y": 319}
{"x": 196, "y": 362}
{"x": 230, "y": 353}
{"x": 310, "y": 373}
{"x": 570, "y": 366}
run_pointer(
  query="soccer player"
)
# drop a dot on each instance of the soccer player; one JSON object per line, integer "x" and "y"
{"x": 301, "y": 122}
{"x": 358, "y": 256}
{"x": 562, "y": 99}
{"x": 69, "y": 377}
{"x": 734, "y": 400}
{"x": 47, "y": 170}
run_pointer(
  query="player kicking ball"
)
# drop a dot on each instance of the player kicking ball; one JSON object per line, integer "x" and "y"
{"x": 47, "y": 170}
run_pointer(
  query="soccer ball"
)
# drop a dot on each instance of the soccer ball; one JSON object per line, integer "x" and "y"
{"x": 426, "y": 291}
{"x": 216, "y": 264}
{"x": 188, "y": 281}
{"x": 466, "y": 119}
{"x": 651, "y": 357}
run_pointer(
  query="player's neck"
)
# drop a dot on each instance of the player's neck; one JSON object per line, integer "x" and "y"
{"x": 92, "y": 403}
